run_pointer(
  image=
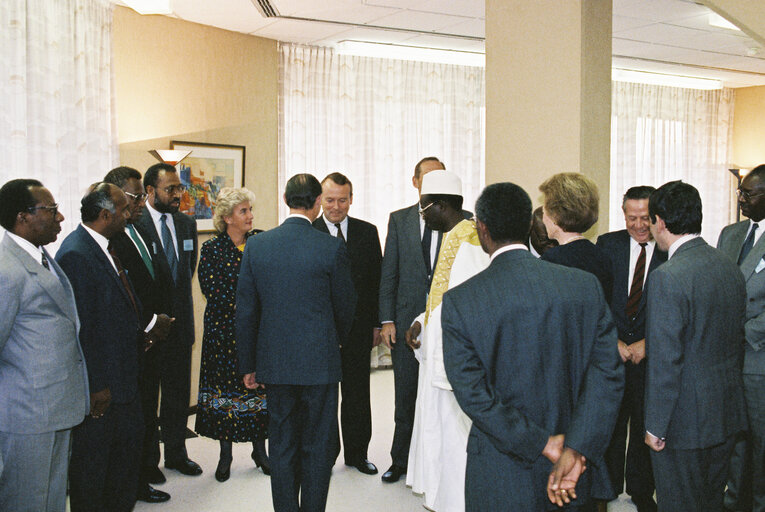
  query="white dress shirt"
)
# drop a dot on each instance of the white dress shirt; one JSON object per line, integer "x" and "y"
{"x": 506, "y": 248}
{"x": 333, "y": 230}
{"x": 156, "y": 217}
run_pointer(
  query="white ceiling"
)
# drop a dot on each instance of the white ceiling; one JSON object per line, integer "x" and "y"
{"x": 665, "y": 36}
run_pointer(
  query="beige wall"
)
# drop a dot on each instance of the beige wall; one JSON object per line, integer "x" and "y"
{"x": 748, "y": 146}
{"x": 182, "y": 81}
{"x": 548, "y": 92}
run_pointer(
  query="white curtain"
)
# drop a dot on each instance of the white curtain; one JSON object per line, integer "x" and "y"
{"x": 660, "y": 134}
{"x": 57, "y": 121}
{"x": 373, "y": 119}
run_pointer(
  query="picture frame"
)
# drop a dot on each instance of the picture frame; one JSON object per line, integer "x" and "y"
{"x": 208, "y": 168}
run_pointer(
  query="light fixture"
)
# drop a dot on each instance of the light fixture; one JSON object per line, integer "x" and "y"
{"x": 150, "y": 6}
{"x": 718, "y": 21}
{"x": 404, "y": 52}
{"x": 170, "y": 156}
{"x": 648, "y": 77}
{"x": 739, "y": 174}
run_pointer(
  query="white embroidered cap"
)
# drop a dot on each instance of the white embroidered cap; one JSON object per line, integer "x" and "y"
{"x": 441, "y": 182}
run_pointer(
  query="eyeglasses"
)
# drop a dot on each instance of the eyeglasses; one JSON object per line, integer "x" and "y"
{"x": 136, "y": 197}
{"x": 175, "y": 189}
{"x": 746, "y": 195}
{"x": 53, "y": 209}
{"x": 423, "y": 210}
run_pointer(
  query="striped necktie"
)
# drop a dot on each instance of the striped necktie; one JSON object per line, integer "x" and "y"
{"x": 636, "y": 290}
{"x": 141, "y": 249}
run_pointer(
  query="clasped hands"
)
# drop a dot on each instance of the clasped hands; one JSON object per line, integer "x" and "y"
{"x": 633, "y": 353}
{"x": 159, "y": 332}
{"x": 568, "y": 466}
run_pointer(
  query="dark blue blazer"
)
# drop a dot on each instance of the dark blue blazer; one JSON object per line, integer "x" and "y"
{"x": 110, "y": 331}
{"x": 617, "y": 246}
{"x": 295, "y": 303}
{"x": 530, "y": 350}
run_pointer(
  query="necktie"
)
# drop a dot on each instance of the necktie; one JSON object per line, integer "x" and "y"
{"x": 45, "y": 262}
{"x": 748, "y": 244}
{"x": 122, "y": 275}
{"x": 167, "y": 244}
{"x": 636, "y": 290}
{"x": 141, "y": 249}
{"x": 426, "y": 239}
{"x": 339, "y": 232}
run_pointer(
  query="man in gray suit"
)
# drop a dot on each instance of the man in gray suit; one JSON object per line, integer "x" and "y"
{"x": 530, "y": 351}
{"x": 42, "y": 368}
{"x": 411, "y": 251}
{"x": 744, "y": 245}
{"x": 694, "y": 399}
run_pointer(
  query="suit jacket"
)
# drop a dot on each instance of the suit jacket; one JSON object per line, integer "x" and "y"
{"x": 730, "y": 242}
{"x": 182, "y": 329}
{"x": 42, "y": 367}
{"x": 154, "y": 292}
{"x": 404, "y": 276}
{"x": 363, "y": 246}
{"x": 617, "y": 246}
{"x": 110, "y": 332}
{"x": 294, "y": 305}
{"x": 696, "y": 303}
{"x": 530, "y": 350}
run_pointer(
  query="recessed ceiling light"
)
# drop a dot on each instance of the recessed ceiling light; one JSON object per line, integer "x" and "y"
{"x": 150, "y": 6}
{"x": 718, "y": 21}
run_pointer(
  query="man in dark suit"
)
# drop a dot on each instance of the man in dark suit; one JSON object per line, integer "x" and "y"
{"x": 106, "y": 447}
{"x": 363, "y": 245}
{"x": 42, "y": 367}
{"x": 133, "y": 250}
{"x": 530, "y": 351}
{"x": 694, "y": 401}
{"x": 634, "y": 256}
{"x": 172, "y": 236}
{"x": 744, "y": 245}
{"x": 411, "y": 252}
{"x": 294, "y": 309}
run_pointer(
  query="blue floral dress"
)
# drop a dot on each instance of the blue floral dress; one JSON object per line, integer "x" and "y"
{"x": 226, "y": 410}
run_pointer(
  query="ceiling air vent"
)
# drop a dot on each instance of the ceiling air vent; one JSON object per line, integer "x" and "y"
{"x": 265, "y": 8}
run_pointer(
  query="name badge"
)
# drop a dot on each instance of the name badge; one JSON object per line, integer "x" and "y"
{"x": 154, "y": 248}
{"x": 760, "y": 266}
{"x": 188, "y": 245}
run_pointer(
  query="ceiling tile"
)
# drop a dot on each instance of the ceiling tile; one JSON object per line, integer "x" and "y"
{"x": 416, "y": 20}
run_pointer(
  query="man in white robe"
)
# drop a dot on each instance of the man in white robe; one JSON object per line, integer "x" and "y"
{"x": 437, "y": 454}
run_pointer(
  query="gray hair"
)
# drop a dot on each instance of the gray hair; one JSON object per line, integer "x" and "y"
{"x": 227, "y": 200}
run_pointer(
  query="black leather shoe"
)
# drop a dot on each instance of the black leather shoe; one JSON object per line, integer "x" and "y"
{"x": 363, "y": 465}
{"x": 186, "y": 466}
{"x": 223, "y": 472}
{"x": 152, "y": 495}
{"x": 155, "y": 476}
{"x": 393, "y": 474}
{"x": 260, "y": 458}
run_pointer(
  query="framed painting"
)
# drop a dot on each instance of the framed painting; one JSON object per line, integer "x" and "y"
{"x": 209, "y": 168}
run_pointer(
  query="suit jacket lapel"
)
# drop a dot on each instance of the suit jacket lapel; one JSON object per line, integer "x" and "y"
{"x": 412, "y": 235}
{"x": 59, "y": 288}
{"x": 101, "y": 258}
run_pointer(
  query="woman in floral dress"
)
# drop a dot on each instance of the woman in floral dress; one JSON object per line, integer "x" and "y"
{"x": 226, "y": 410}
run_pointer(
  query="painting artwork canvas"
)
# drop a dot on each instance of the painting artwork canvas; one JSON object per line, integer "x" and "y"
{"x": 208, "y": 169}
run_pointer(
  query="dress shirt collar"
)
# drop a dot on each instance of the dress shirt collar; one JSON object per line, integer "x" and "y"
{"x": 506, "y": 248}
{"x": 760, "y": 229}
{"x": 155, "y": 215}
{"x": 100, "y": 239}
{"x": 634, "y": 244}
{"x": 34, "y": 251}
{"x": 333, "y": 230}
{"x": 680, "y": 241}
{"x": 299, "y": 215}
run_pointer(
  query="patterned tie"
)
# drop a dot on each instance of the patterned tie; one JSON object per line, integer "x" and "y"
{"x": 141, "y": 249}
{"x": 122, "y": 275}
{"x": 636, "y": 290}
{"x": 167, "y": 244}
{"x": 339, "y": 232}
{"x": 748, "y": 244}
{"x": 45, "y": 262}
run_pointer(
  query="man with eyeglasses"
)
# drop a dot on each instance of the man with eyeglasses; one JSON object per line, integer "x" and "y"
{"x": 172, "y": 236}
{"x": 152, "y": 287}
{"x": 411, "y": 251}
{"x": 744, "y": 245}
{"x": 42, "y": 368}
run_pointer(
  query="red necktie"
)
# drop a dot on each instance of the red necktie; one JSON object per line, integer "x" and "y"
{"x": 636, "y": 290}
{"x": 123, "y": 276}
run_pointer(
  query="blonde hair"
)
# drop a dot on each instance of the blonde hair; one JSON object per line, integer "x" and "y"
{"x": 571, "y": 201}
{"x": 228, "y": 199}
